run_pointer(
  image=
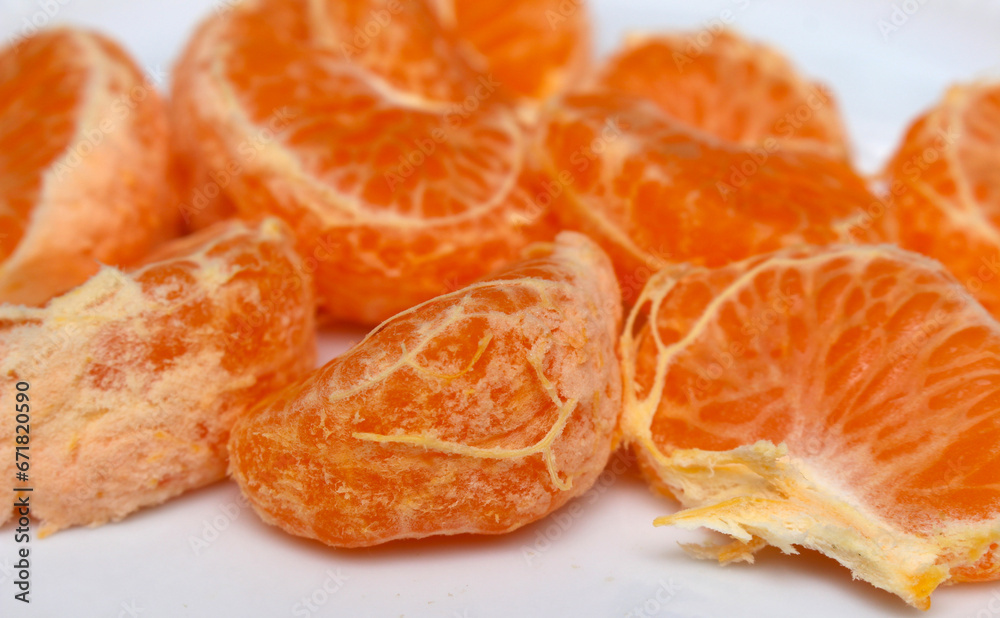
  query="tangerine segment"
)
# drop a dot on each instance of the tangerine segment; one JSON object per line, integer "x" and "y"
{"x": 136, "y": 377}
{"x": 386, "y": 152}
{"x": 652, "y": 192}
{"x": 845, "y": 399}
{"x": 83, "y": 163}
{"x": 945, "y": 190}
{"x": 476, "y": 412}
{"x": 732, "y": 88}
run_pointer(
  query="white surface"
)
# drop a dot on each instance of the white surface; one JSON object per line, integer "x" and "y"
{"x": 603, "y": 558}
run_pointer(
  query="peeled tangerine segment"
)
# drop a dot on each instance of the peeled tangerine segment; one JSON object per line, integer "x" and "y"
{"x": 944, "y": 188}
{"x": 391, "y": 135}
{"x": 476, "y": 412}
{"x": 83, "y": 163}
{"x": 136, "y": 377}
{"x": 651, "y": 190}
{"x": 841, "y": 399}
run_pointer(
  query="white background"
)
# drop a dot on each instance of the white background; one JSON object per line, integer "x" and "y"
{"x": 604, "y": 560}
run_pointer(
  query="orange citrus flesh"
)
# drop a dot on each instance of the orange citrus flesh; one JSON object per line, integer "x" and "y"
{"x": 536, "y": 49}
{"x": 844, "y": 399}
{"x": 368, "y": 126}
{"x": 652, "y": 191}
{"x": 734, "y": 89}
{"x": 476, "y": 412}
{"x": 83, "y": 163}
{"x": 943, "y": 189}
{"x": 136, "y": 377}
